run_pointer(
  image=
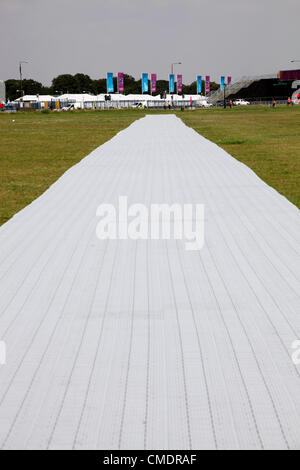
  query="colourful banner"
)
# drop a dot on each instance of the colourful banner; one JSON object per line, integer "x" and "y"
{"x": 110, "y": 82}
{"x": 153, "y": 82}
{"x": 120, "y": 82}
{"x": 222, "y": 82}
{"x": 199, "y": 84}
{"x": 145, "y": 87}
{"x": 229, "y": 80}
{"x": 179, "y": 84}
{"x": 207, "y": 84}
{"x": 171, "y": 83}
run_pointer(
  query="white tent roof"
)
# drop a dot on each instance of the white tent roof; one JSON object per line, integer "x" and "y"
{"x": 186, "y": 97}
{"x": 78, "y": 97}
{"x": 84, "y": 97}
{"x": 137, "y": 97}
{"x": 130, "y": 97}
{"x": 117, "y": 97}
{"x": 36, "y": 98}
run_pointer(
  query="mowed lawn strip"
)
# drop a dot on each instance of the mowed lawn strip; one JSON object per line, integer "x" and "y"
{"x": 38, "y": 148}
{"x": 265, "y": 139}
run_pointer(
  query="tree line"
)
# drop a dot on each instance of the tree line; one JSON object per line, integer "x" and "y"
{"x": 82, "y": 83}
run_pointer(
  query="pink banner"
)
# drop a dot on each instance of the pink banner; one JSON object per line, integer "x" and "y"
{"x": 228, "y": 80}
{"x": 120, "y": 82}
{"x": 207, "y": 84}
{"x": 153, "y": 82}
{"x": 179, "y": 83}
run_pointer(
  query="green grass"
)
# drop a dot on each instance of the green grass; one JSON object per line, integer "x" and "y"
{"x": 265, "y": 139}
{"x": 38, "y": 148}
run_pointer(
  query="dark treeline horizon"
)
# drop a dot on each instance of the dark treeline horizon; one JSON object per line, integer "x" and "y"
{"x": 82, "y": 83}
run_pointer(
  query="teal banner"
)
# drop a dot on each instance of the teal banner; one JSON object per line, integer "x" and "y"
{"x": 222, "y": 83}
{"x": 145, "y": 85}
{"x": 171, "y": 83}
{"x": 199, "y": 84}
{"x": 110, "y": 82}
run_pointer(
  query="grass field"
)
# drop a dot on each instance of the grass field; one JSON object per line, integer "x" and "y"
{"x": 37, "y": 148}
{"x": 265, "y": 139}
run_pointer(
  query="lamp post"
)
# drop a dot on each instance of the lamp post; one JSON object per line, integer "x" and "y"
{"x": 21, "y": 78}
{"x": 224, "y": 99}
{"x": 172, "y": 66}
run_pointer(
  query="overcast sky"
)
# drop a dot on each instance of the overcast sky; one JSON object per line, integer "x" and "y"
{"x": 216, "y": 37}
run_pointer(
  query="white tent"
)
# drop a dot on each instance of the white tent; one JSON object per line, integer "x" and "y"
{"x": 85, "y": 100}
{"x": 35, "y": 98}
{"x": 100, "y": 97}
{"x": 136, "y": 97}
{"x": 77, "y": 97}
{"x": 185, "y": 97}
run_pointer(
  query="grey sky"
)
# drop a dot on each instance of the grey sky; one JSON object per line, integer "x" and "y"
{"x": 216, "y": 37}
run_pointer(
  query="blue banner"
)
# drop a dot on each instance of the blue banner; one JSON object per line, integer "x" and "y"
{"x": 110, "y": 82}
{"x": 145, "y": 87}
{"x": 171, "y": 83}
{"x": 199, "y": 84}
{"x": 222, "y": 83}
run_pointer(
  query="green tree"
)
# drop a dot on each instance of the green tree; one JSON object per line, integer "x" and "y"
{"x": 191, "y": 89}
{"x": 11, "y": 89}
{"x": 29, "y": 86}
{"x": 65, "y": 83}
{"x": 162, "y": 86}
{"x": 130, "y": 84}
{"x": 99, "y": 86}
{"x": 84, "y": 83}
{"x": 80, "y": 83}
{"x": 46, "y": 90}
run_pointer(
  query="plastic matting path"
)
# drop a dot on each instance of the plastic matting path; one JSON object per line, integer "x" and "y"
{"x": 141, "y": 344}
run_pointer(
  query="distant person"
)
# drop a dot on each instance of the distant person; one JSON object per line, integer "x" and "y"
{"x": 274, "y": 103}
{"x": 230, "y": 104}
{"x": 165, "y": 105}
{"x": 288, "y": 101}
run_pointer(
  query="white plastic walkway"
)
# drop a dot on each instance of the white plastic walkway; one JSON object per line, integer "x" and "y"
{"x": 132, "y": 345}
